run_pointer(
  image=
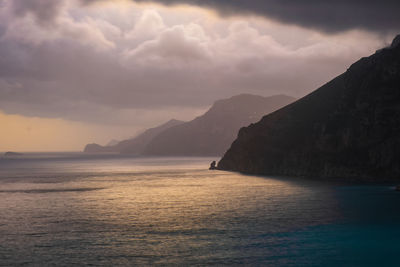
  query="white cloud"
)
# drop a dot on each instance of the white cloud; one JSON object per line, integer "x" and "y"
{"x": 173, "y": 46}
{"x": 149, "y": 25}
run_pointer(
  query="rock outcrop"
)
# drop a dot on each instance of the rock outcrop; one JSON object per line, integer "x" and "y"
{"x": 213, "y": 165}
{"x": 212, "y": 133}
{"x": 348, "y": 128}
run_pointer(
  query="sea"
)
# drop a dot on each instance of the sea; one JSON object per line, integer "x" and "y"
{"x": 73, "y": 209}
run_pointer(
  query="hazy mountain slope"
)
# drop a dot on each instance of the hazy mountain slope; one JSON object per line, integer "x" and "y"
{"x": 134, "y": 145}
{"x": 113, "y": 142}
{"x": 212, "y": 133}
{"x": 349, "y": 127}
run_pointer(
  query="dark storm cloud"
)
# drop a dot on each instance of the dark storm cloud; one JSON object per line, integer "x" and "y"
{"x": 328, "y": 16}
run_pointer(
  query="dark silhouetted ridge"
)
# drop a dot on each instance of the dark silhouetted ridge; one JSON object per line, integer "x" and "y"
{"x": 348, "y": 128}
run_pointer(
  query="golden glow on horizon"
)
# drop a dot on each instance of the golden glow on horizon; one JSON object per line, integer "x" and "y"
{"x": 24, "y": 134}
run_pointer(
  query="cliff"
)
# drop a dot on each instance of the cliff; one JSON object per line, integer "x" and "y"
{"x": 212, "y": 133}
{"x": 348, "y": 128}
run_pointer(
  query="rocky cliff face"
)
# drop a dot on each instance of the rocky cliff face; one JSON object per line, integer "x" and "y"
{"x": 212, "y": 133}
{"x": 348, "y": 128}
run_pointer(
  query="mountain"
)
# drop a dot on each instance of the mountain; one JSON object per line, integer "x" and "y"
{"x": 12, "y": 154}
{"x": 113, "y": 142}
{"x": 348, "y": 128}
{"x": 134, "y": 145}
{"x": 212, "y": 133}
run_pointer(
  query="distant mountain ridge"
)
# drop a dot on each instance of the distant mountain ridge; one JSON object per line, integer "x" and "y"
{"x": 134, "y": 145}
{"x": 212, "y": 133}
{"x": 207, "y": 135}
{"x": 113, "y": 142}
{"x": 348, "y": 128}
{"x": 12, "y": 154}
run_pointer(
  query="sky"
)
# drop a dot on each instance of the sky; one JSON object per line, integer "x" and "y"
{"x": 74, "y": 72}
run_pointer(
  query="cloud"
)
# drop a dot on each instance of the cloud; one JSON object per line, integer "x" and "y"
{"x": 172, "y": 45}
{"x": 148, "y": 26}
{"x": 120, "y": 64}
{"x": 44, "y": 11}
{"x": 328, "y": 16}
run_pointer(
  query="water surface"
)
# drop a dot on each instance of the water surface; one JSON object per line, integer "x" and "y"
{"x": 74, "y": 209}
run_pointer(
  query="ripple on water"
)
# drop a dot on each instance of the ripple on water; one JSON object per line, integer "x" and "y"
{"x": 142, "y": 213}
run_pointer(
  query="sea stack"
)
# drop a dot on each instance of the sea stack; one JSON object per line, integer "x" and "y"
{"x": 213, "y": 165}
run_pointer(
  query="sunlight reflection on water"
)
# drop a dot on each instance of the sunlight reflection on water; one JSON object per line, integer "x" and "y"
{"x": 156, "y": 211}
